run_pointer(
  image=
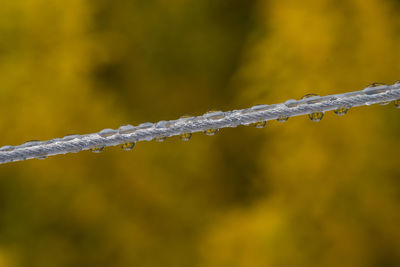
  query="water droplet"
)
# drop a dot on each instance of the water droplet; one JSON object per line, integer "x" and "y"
{"x": 107, "y": 133}
{"x": 314, "y": 98}
{"x": 163, "y": 124}
{"x": 127, "y": 129}
{"x": 376, "y": 84}
{"x": 316, "y": 116}
{"x": 384, "y": 103}
{"x": 41, "y": 157}
{"x": 282, "y": 118}
{"x": 214, "y": 115}
{"x": 397, "y": 103}
{"x": 161, "y": 139}
{"x": 98, "y": 149}
{"x": 211, "y": 131}
{"x": 291, "y": 103}
{"x": 145, "y": 125}
{"x": 185, "y": 136}
{"x": 342, "y": 110}
{"x": 128, "y": 146}
{"x": 309, "y": 96}
{"x": 370, "y": 89}
{"x": 260, "y": 124}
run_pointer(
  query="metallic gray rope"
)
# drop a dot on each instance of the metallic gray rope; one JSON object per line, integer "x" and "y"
{"x": 129, "y": 135}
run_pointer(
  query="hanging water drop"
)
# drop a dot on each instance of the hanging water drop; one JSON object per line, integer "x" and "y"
{"x": 161, "y": 139}
{"x": 282, "y": 118}
{"x": 260, "y": 124}
{"x": 128, "y": 146}
{"x": 316, "y": 116}
{"x": 211, "y": 132}
{"x": 342, "y": 110}
{"x": 397, "y": 103}
{"x": 97, "y": 149}
{"x": 185, "y": 136}
{"x": 41, "y": 157}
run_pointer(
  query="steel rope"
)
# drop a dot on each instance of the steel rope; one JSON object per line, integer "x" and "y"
{"x": 128, "y": 135}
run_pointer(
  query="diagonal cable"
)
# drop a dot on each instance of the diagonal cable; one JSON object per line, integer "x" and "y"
{"x": 210, "y": 123}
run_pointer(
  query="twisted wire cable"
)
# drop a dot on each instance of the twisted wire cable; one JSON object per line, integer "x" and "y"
{"x": 209, "y": 123}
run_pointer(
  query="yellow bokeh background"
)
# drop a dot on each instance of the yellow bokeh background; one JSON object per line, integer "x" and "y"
{"x": 298, "y": 193}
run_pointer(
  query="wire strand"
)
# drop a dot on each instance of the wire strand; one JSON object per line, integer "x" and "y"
{"x": 209, "y": 123}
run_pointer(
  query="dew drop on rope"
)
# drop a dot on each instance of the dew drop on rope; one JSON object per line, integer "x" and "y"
{"x": 376, "y": 84}
{"x": 342, "y": 110}
{"x": 185, "y": 136}
{"x": 397, "y": 103}
{"x": 161, "y": 139}
{"x": 260, "y": 124}
{"x": 314, "y": 98}
{"x": 214, "y": 115}
{"x": 316, "y": 116}
{"x": 128, "y": 146}
{"x": 282, "y": 118}
{"x": 309, "y": 96}
{"x": 369, "y": 90}
{"x": 211, "y": 132}
{"x": 107, "y": 133}
{"x": 98, "y": 149}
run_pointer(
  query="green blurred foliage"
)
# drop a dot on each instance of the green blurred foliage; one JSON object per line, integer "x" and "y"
{"x": 294, "y": 194}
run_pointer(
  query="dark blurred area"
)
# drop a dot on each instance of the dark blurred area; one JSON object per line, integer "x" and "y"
{"x": 298, "y": 193}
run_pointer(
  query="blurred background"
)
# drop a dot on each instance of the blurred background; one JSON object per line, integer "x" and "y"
{"x": 298, "y": 193}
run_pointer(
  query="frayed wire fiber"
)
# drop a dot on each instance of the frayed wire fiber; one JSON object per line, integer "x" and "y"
{"x": 128, "y": 135}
